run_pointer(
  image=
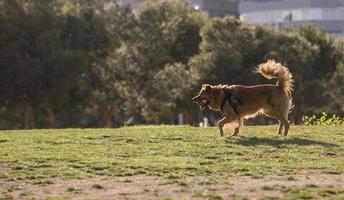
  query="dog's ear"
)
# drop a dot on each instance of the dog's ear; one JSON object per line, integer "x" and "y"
{"x": 207, "y": 87}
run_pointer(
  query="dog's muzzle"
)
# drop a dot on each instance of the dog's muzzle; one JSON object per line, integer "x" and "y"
{"x": 203, "y": 103}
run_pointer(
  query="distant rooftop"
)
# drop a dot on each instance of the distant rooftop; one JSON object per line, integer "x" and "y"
{"x": 213, "y": 8}
{"x": 216, "y": 8}
{"x": 131, "y": 3}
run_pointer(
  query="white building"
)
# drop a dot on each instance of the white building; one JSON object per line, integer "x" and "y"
{"x": 327, "y": 13}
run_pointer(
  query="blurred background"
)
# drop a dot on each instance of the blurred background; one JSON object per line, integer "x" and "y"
{"x": 108, "y": 63}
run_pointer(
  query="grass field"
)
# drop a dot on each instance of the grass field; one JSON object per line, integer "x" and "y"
{"x": 157, "y": 162}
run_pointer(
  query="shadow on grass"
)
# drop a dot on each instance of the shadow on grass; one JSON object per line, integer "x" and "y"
{"x": 277, "y": 142}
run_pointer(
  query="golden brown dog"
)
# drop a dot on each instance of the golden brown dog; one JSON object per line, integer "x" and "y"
{"x": 238, "y": 102}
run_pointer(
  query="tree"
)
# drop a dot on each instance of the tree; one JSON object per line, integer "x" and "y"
{"x": 335, "y": 87}
{"x": 40, "y": 67}
{"x": 155, "y": 59}
{"x": 316, "y": 91}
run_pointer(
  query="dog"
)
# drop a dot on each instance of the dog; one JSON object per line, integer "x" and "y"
{"x": 238, "y": 102}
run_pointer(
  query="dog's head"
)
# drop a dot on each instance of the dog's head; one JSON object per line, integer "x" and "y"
{"x": 206, "y": 97}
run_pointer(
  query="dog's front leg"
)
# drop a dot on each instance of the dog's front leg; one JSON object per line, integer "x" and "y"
{"x": 221, "y": 125}
{"x": 223, "y": 121}
{"x": 237, "y": 129}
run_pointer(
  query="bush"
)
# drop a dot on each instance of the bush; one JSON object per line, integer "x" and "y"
{"x": 323, "y": 120}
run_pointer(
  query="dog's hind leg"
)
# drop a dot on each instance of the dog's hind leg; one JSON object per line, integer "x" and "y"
{"x": 268, "y": 111}
{"x": 283, "y": 117}
{"x": 286, "y": 124}
{"x": 280, "y": 128}
{"x": 286, "y": 127}
{"x": 279, "y": 108}
{"x": 283, "y": 123}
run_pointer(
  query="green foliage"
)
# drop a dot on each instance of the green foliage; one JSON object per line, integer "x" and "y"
{"x": 92, "y": 63}
{"x": 164, "y": 37}
{"x": 334, "y": 86}
{"x": 323, "y": 120}
{"x": 316, "y": 88}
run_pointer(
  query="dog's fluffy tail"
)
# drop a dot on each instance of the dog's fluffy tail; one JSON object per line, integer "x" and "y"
{"x": 271, "y": 69}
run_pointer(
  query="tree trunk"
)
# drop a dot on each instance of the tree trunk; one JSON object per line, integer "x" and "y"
{"x": 296, "y": 116}
{"x": 29, "y": 117}
{"x": 51, "y": 120}
{"x": 105, "y": 111}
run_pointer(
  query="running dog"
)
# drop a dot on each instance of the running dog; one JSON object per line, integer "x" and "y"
{"x": 238, "y": 102}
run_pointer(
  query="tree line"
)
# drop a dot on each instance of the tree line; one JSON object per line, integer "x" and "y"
{"x": 92, "y": 63}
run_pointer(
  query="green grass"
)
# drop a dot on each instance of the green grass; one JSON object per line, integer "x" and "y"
{"x": 170, "y": 151}
{"x": 305, "y": 192}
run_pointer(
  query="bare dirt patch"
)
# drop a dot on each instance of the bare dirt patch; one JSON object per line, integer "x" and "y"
{"x": 4, "y": 171}
{"x": 256, "y": 188}
{"x": 154, "y": 187}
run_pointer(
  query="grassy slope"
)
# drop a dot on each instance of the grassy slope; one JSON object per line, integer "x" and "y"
{"x": 169, "y": 151}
